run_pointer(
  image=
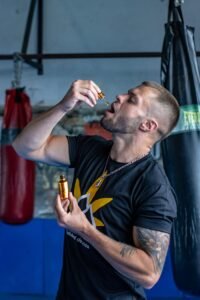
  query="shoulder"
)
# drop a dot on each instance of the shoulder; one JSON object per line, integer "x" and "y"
{"x": 156, "y": 202}
{"x": 154, "y": 187}
{"x": 87, "y": 139}
{"x": 154, "y": 173}
{"x": 83, "y": 146}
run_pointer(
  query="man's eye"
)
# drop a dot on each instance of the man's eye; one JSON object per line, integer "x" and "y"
{"x": 132, "y": 100}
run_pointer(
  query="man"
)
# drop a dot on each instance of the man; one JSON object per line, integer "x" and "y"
{"x": 119, "y": 217}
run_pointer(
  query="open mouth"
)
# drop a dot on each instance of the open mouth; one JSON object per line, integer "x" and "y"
{"x": 111, "y": 109}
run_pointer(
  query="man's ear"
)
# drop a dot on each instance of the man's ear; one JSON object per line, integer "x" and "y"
{"x": 148, "y": 125}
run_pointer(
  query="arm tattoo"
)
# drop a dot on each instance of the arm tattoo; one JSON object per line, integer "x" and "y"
{"x": 155, "y": 243}
{"x": 127, "y": 250}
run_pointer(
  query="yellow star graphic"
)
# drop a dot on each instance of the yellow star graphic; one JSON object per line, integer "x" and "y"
{"x": 91, "y": 192}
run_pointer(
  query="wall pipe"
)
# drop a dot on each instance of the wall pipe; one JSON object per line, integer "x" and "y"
{"x": 86, "y": 55}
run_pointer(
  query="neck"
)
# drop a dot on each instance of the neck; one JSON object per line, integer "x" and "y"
{"x": 127, "y": 149}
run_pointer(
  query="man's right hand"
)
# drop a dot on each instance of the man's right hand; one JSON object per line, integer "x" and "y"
{"x": 80, "y": 91}
{"x": 36, "y": 141}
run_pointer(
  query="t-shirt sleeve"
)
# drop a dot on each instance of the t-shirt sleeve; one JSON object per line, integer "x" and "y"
{"x": 76, "y": 146}
{"x": 156, "y": 208}
{"x": 80, "y": 146}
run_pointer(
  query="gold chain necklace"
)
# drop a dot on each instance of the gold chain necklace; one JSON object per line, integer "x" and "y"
{"x": 105, "y": 174}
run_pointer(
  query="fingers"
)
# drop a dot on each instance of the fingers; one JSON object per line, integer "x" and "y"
{"x": 88, "y": 84}
{"x": 73, "y": 202}
{"x": 62, "y": 211}
{"x": 89, "y": 96}
{"x": 80, "y": 91}
{"x": 59, "y": 206}
{"x": 65, "y": 206}
{"x": 86, "y": 91}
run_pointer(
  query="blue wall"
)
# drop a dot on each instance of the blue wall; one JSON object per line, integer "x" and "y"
{"x": 31, "y": 255}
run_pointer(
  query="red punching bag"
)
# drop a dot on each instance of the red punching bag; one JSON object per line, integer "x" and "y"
{"x": 17, "y": 174}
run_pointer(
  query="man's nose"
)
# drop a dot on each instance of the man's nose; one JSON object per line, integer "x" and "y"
{"x": 120, "y": 98}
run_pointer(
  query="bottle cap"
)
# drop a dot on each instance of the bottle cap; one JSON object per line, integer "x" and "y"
{"x": 101, "y": 95}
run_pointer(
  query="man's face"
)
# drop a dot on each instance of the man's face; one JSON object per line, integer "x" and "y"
{"x": 128, "y": 111}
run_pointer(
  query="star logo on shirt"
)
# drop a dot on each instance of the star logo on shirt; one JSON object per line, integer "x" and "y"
{"x": 86, "y": 203}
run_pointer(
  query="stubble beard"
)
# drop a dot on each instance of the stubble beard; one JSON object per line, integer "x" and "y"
{"x": 121, "y": 126}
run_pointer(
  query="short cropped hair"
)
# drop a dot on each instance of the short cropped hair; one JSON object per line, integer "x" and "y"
{"x": 169, "y": 103}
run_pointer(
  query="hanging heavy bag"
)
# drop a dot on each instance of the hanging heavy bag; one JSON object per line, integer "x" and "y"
{"x": 181, "y": 151}
{"x": 16, "y": 174}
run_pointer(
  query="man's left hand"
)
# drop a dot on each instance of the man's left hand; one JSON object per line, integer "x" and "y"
{"x": 69, "y": 214}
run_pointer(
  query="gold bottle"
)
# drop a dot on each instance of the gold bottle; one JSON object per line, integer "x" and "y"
{"x": 63, "y": 187}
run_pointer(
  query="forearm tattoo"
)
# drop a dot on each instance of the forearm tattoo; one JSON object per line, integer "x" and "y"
{"x": 155, "y": 243}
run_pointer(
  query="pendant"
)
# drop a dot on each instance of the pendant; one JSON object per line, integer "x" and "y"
{"x": 99, "y": 182}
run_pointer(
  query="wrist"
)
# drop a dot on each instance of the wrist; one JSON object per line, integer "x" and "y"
{"x": 65, "y": 106}
{"x": 88, "y": 230}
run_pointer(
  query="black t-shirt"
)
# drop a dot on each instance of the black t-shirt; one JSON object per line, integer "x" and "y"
{"x": 137, "y": 195}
